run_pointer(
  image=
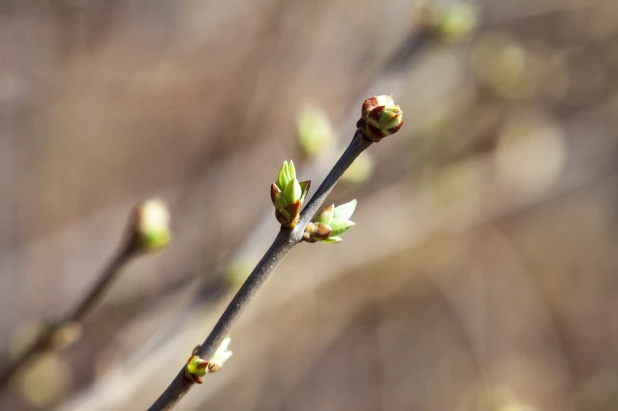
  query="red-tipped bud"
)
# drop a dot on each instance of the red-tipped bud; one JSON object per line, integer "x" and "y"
{"x": 380, "y": 117}
{"x": 195, "y": 369}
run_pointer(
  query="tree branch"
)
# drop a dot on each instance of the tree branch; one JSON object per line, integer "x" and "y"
{"x": 45, "y": 340}
{"x": 283, "y": 243}
{"x": 147, "y": 232}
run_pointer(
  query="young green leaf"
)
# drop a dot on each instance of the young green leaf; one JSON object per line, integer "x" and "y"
{"x": 283, "y": 178}
{"x": 292, "y": 191}
{"x": 345, "y": 211}
{"x": 340, "y": 226}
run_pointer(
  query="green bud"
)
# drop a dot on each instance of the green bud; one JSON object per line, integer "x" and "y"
{"x": 330, "y": 224}
{"x": 284, "y": 176}
{"x": 449, "y": 23}
{"x": 238, "y": 270}
{"x": 316, "y": 232}
{"x": 315, "y": 132}
{"x": 287, "y": 195}
{"x": 380, "y": 117}
{"x": 359, "y": 171}
{"x": 390, "y": 118}
{"x": 195, "y": 369}
{"x": 293, "y": 191}
{"x": 150, "y": 226}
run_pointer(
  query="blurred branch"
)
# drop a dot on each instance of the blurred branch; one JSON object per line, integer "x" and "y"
{"x": 46, "y": 339}
{"x": 283, "y": 243}
{"x": 147, "y": 232}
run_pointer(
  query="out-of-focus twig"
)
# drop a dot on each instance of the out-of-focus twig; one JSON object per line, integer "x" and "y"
{"x": 147, "y": 232}
{"x": 46, "y": 338}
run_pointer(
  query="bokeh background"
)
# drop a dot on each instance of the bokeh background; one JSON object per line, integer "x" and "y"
{"x": 481, "y": 275}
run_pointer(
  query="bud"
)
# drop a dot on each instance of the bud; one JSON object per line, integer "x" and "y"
{"x": 288, "y": 216}
{"x": 380, "y": 117}
{"x": 326, "y": 215}
{"x": 62, "y": 336}
{"x": 359, "y": 171}
{"x": 330, "y": 224}
{"x": 277, "y": 196}
{"x": 448, "y": 22}
{"x": 284, "y": 176}
{"x": 317, "y": 232}
{"x": 292, "y": 192}
{"x": 287, "y": 195}
{"x": 315, "y": 133}
{"x": 195, "y": 369}
{"x": 150, "y": 226}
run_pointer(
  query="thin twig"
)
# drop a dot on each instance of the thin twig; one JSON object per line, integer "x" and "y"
{"x": 107, "y": 277}
{"x": 45, "y": 341}
{"x": 283, "y": 243}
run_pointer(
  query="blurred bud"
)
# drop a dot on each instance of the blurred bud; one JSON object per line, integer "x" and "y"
{"x": 238, "y": 270}
{"x": 359, "y": 171}
{"x": 380, "y": 117}
{"x": 315, "y": 133}
{"x": 44, "y": 381}
{"x": 150, "y": 226}
{"x": 65, "y": 335}
{"x": 287, "y": 195}
{"x": 448, "y": 22}
{"x": 330, "y": 224}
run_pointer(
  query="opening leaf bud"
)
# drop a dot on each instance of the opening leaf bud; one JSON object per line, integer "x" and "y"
{"x": 380, "y": 117}
{"x": 328, "y": 226}
{"x": 287, "y": 195}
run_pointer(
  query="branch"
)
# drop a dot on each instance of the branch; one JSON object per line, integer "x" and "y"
{"x": 283, "y": 243}
{"x": 147, "y": 232}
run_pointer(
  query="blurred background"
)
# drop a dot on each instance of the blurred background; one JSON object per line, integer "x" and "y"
{"x": 481, "y": 275}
